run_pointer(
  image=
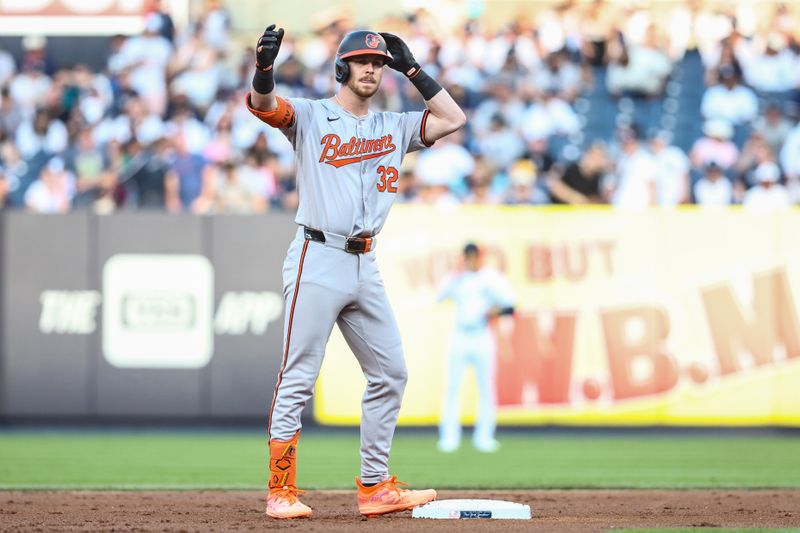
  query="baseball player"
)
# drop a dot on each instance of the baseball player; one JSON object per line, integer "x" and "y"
{"x": 347, "y": 159}
{"x": 480, "y": 294}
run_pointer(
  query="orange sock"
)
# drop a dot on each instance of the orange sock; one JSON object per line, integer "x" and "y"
{"x": 282, "y": 465}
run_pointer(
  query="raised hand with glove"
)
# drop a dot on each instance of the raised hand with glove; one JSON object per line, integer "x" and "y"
{"x": 266, "y": 51}
{"x": 403, "y": 61}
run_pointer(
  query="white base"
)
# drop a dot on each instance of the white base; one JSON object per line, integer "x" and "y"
{"x": 460, "y": 509}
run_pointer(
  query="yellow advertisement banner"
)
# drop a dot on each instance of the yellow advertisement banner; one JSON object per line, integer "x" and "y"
{"x": 674, "y": 317}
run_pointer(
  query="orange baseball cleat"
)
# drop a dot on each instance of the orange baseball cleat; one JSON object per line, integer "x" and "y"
{"x": 387, "y": 497}
{"x": 283, "y": 503}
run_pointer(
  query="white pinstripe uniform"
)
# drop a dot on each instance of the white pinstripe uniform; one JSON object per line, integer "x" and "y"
{"x": 347, "y": 172}
{"x": 472, "y": 343}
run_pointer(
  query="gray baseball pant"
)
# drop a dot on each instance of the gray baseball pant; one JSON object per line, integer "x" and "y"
{"x": 323, "y": 285}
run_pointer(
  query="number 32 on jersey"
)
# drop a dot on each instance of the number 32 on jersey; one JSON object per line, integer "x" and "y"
{"x": 388, "y": 178}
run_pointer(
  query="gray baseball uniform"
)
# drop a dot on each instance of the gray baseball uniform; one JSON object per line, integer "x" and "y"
{"x": 347, "y": 172}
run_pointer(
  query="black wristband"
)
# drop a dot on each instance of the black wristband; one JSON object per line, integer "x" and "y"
{"x": 263, "y": 82}
{"x": 427, "y": 86}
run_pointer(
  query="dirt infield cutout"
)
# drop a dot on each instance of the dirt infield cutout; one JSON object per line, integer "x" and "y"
{"x": 553, "y": 510}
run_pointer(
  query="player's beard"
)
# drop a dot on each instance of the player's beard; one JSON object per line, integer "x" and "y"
{"x": 362, "y": 91}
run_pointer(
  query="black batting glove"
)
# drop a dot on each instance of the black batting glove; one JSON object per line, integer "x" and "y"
{"x": 267, "y": 48}
{"x": 266, "y": 51}
{"x": 402, "y": 59}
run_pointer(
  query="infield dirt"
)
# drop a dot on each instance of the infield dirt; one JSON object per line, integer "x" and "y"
{"x": 553, "y": 510}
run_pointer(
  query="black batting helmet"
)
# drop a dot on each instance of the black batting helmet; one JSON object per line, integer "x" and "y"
{"x": 359, "y": 43}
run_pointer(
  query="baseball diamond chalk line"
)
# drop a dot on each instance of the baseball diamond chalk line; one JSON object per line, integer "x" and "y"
{"x": 466, "y": 509}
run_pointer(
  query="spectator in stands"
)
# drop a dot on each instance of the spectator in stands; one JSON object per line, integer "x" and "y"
{"x": 775, "y": 70}
{"x": 637, "y": 70}
{"x": 259, "y": 175}
{"x": 91, "y": 168}
{"x": 773, "y": 126}
{"x": 518, "y": 84}
{"x": 231, "y": 194}
{"x": 167, "y": 27}
{"x": 216, "y": 23}
{"x": 500, "y": 145}
{"x": 727, "y": 61}
{"x": 53, "y": 191}
{"x": 288, "y": 198}
{"x": 262, "y": 149}
{"x": 116, "y": 61}
{"x": 729, "y": 100}
{"x": 94, "y": 92}
{"x": 292, "y": 75}
{"x": 220, "y": 147}
{"x": 524, "y": 186}
{"x": 559, "y": 76}
{"x": 188, "y": 170}
{"x": 501, "y": 97}
{"x": 498, "y": 58}
{"x": 580, "y": 181}
{"x": 42, "y": 133}
{"x": 595, "y": 27}
{"x": 480, "y": 193}
{"x": 480, "y": 185}
{"x": 754, "y": 152}
{"x": 195, "y": 70}
{"x": 715, "y": 146}
{"x": 184, "y": 124}
{"x": 672, "y": 178}
{"x": 719, "y": 42}
{"x": 144, "y": 59}
{"x": 437, "y": 195}
{"x": 146, "y": 178}
{"x": 547, "y": 116}
{"x": 636, "y": 173}
{"x": 713, "y": 189}
{"x": 126, "y": 122}
{"x": 29, "y": 87}
{"x": 447, "y": 162}
{"x": 538, "y": 151}
{"x": 635, "y": 21}
{"x": 768, "y": 195}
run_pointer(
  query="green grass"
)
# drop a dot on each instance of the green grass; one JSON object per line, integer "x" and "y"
{"x": 191, "y": 460}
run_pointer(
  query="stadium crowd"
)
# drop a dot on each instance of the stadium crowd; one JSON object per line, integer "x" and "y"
{"x": 579, "y": 103}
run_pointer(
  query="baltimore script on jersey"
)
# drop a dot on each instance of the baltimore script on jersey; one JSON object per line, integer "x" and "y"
{"x": 337, "y": 154}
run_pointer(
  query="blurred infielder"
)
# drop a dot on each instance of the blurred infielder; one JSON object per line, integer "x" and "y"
{"x": 347, "y": 158}
{"x": 480, "y": 294}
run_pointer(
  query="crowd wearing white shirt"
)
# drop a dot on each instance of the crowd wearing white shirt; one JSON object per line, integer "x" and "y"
{"x": 166, "y": 110}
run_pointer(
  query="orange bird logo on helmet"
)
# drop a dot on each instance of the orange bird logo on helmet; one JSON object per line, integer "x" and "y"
{"x": 372, "y": 40}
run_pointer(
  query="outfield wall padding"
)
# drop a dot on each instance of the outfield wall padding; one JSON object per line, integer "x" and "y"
{"x": 663, "y": 317}
{"x": 140, "y": 315}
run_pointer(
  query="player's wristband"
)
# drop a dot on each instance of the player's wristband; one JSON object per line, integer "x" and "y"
{"x": 427, "y": 86}
{"x": 263, "y": 81}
